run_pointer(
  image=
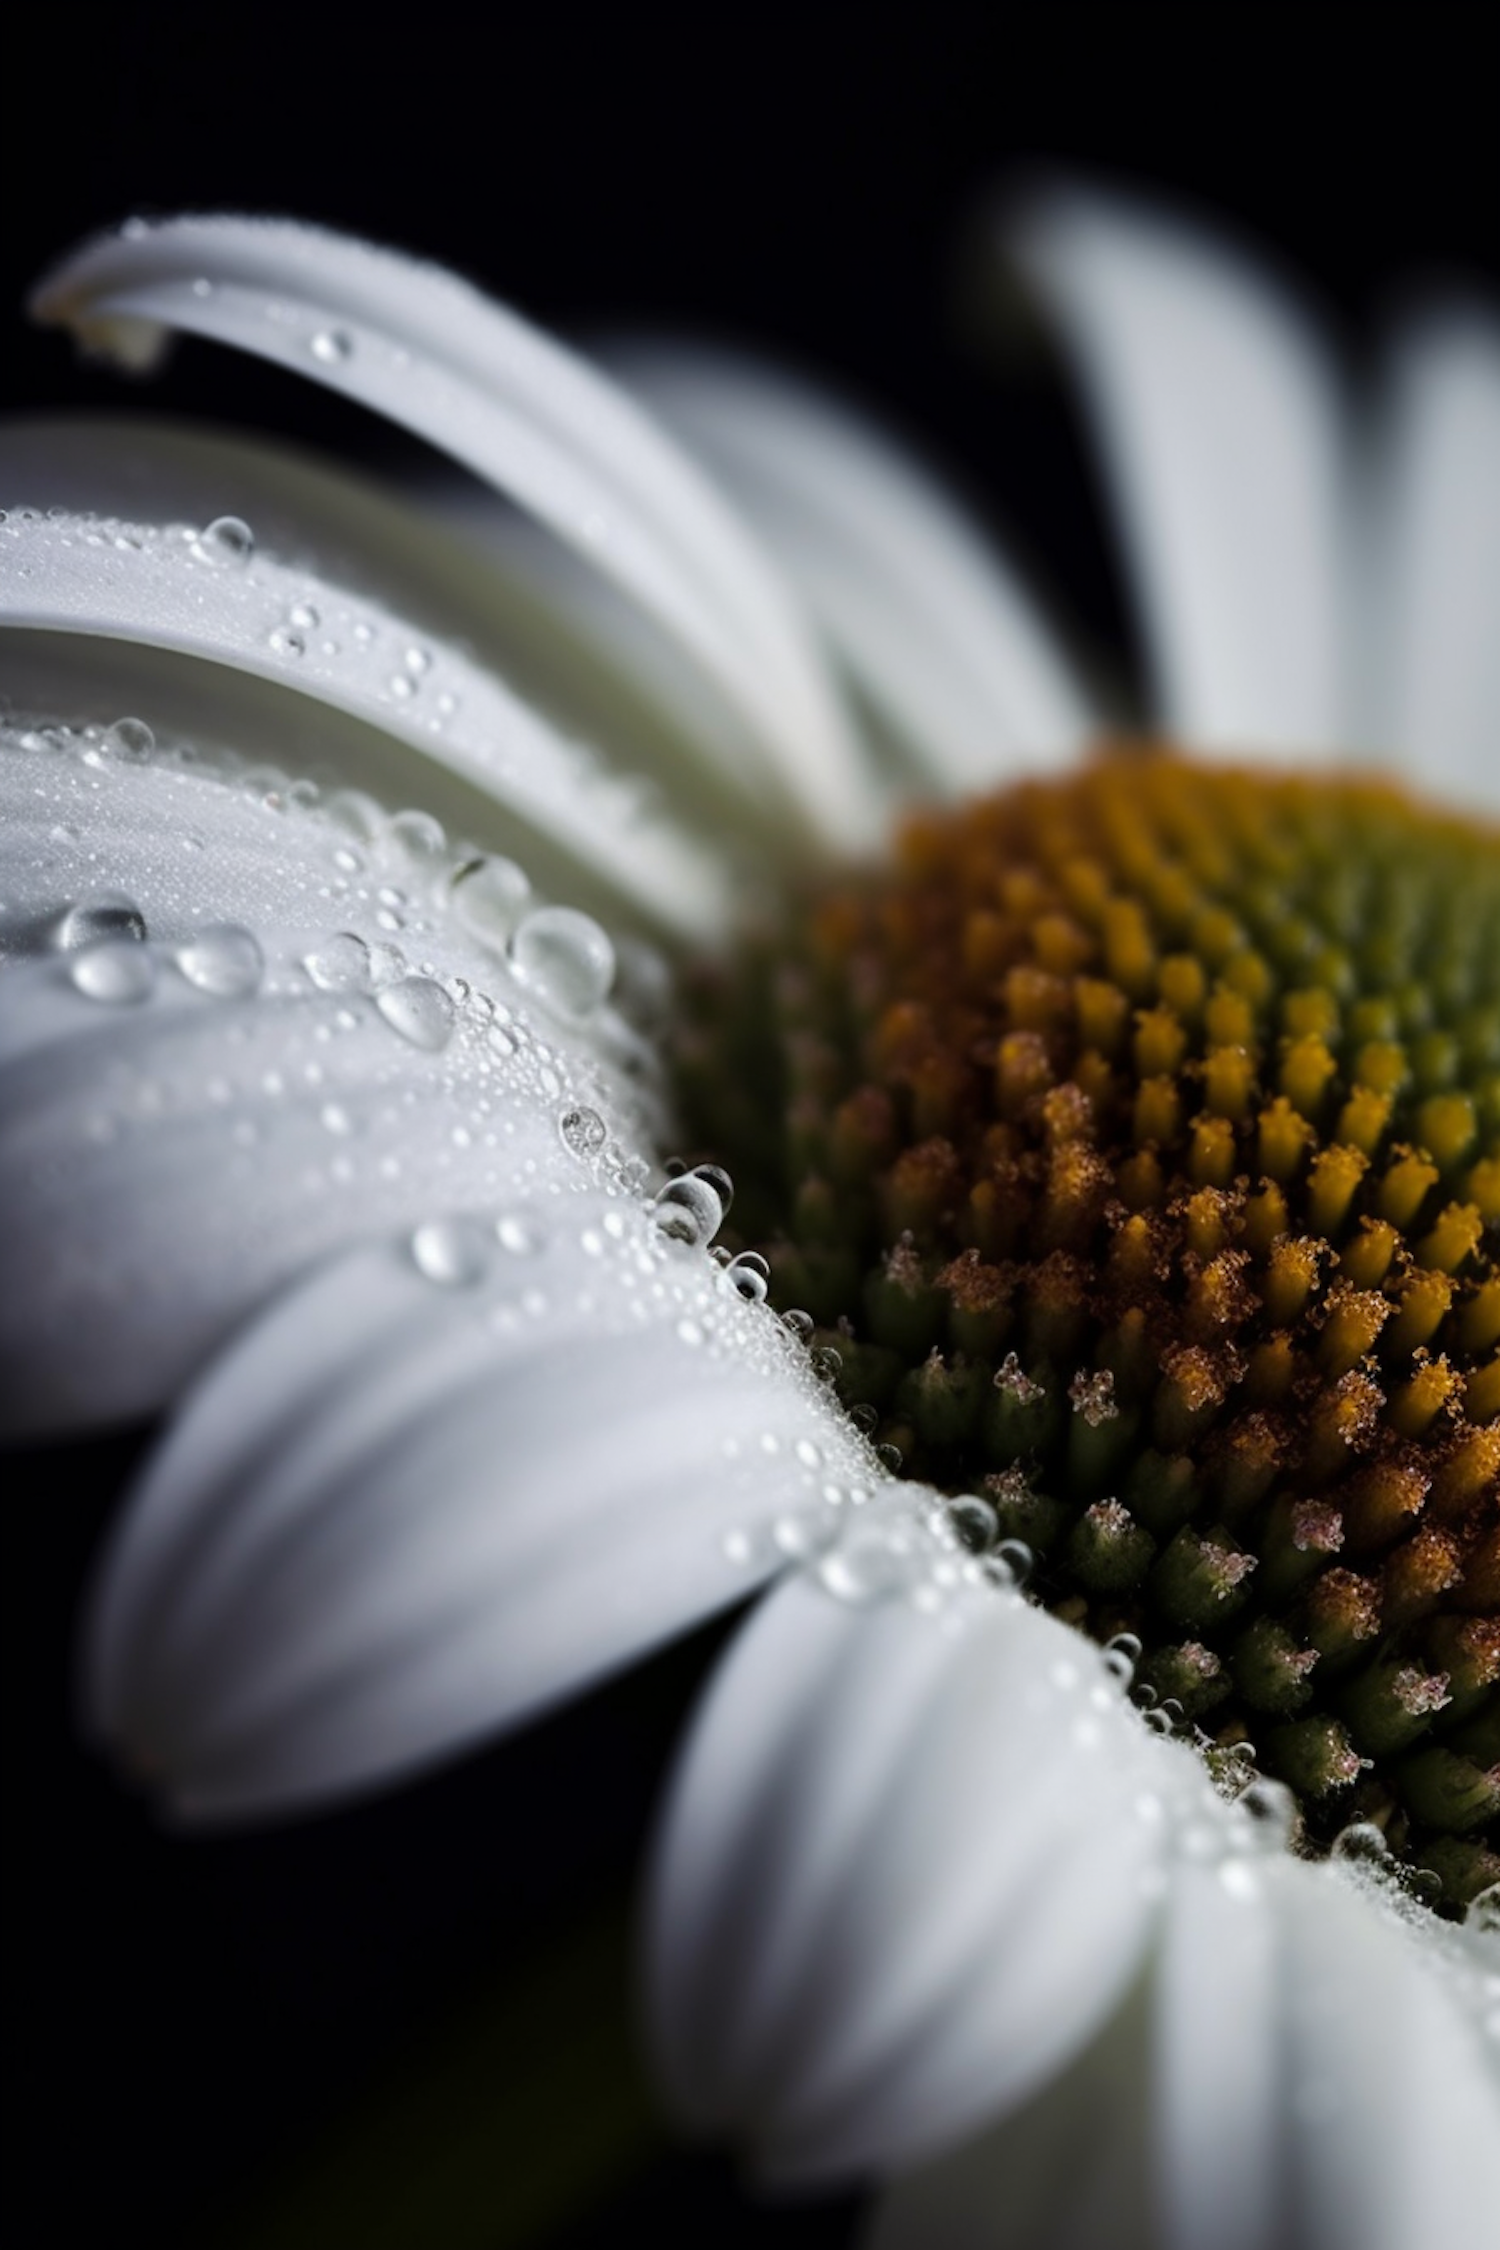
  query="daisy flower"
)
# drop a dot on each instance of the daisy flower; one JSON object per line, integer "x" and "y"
{"x": 1110, "y": 1767}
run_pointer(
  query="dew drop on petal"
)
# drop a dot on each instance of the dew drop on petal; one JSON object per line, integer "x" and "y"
{"x": 490, "y": 896}
{"x": 340, "y": 964}
{"x": 749, "y": 1276}
{"x": 419, "y": 1010}
{"x": 565, "y": 958}
{"x": 103, "y": 914}
{"x": 287, "y": 643}
{"x": 520, "y": 1237}
{"x": 972, "y": 1522}
{"x": 130, "y": 740}
{"x": 688, "y": 1210}
{"x": 116, "y": 970}
{"x": 1272, "y": 1809}
{"x": 1120, "y": 1658}
{"x": 418, "y": 840}
{"x": 357, "y": 814}
{"x": 224, "y": 960}
{"x": 330, "y": 346}
{"x": 452, "y": 1252}
{"x": 1362, "y": 1844}
{"x": 582, "y": 1130}
{"x": 227, "y": 542}
{"x": 802, "y": 1533}
{"x": 1484, "y": 1911}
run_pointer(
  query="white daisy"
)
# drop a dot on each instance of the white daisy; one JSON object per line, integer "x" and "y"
{"x": 320, "y": 1126}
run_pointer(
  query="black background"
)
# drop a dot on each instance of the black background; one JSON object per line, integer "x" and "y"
{"x": 191, "y": 2014}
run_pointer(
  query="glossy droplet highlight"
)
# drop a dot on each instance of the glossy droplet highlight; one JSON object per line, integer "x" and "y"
{"x": 489, "y": 897}
{"x": 582, "y": 1131}
{"x": 227, "y": 542}
{"x": 418, "y": 842}
{"x": 331, "y": 346}
{"x": 340, "y": 964}
{"x": 103, "y": 914}
{"x": 118, "y": 971}
{"x": 689, "y": 1209}
{"x": 224, "y": 960}
{"x": 419, "y": 1010}
{"x": 565, "y": 958}
{"x": 131, "y": 741}
{"x": 454, "y": 1253}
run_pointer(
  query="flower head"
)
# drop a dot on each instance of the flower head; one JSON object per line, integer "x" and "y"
{"x": 1133, "y": 1142}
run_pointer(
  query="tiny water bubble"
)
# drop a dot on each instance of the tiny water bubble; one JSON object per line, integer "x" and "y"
{"x": 583, "y": 1131}
{"x": 227, "y": 542}
{"x": 803, "y": 1533}
{"x": 103, "y": 914}
{"x": 1362, "y": 1844}
{"x": 521, "y": 1238}
{"x": 1272, "y": 1811}
{"x": 972, "y": 1523}
{"x": 1120, "y": 1657}
{"x": 357, "y": 814}
{"x": 490, "y": 896}
{"x": 418, "y": 842}
{"x": 224, "y": 960}
{"x": 331, "y": 346}
{"x": 340, "y": 964}
{"x": 749, "y": 1276}
{"x": 688, "y": 1210}
{"x": 863, "y": 1570}
{"x": 118, "y": 971}
{"x": 1017, "y": 1560}
{"x": 865, "y": 1417}
{"x": 286, "y": 642}
{"x": 1484, "y": 1912}
{"x": 454, "y": 1253}
{"x": 565, "y": 958}
{"x": 419, "y": 1011}
{"x": 131, "y": 741}
{"x": 303, "y": 615}
{"x": 799, "y": 1324}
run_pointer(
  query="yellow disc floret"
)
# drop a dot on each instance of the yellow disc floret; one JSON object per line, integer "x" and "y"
{"x": 1135, "y": 1141}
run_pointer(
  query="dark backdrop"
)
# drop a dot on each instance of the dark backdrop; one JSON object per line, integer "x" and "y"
{"x": 209, "y": 2028}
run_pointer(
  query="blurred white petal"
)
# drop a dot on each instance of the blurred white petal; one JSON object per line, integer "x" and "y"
{"x": 1221, "y": 424}
{"x": 1433, "y": 647}
{"x": 901, "y": 1878}
{"x": 417, "y": 345}
{"x": 923, "y": 614}
{"x": 194, "y": 596}
{"x": 531, "y": 618}
{"x": 438, "y": 1485}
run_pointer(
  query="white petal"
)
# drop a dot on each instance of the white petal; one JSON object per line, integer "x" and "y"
{"x": 169, "y": 1159}
{"x": 519, "y": 614}
{"x": 417, "y": 345}
{"x": 1434, "y": 641}
{"x": 157, "y": 588}
{"x": 1220, "y": 420}
{"x": 1320, "y": 2084}
{"x": 1068, "y": 2171}
{"x": 402, "y": 1512}
{"x": 929, "y": 620}
{"x": 901, "y": 1880}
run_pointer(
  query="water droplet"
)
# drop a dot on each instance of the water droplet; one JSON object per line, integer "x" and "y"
{"x": 519, "y": 1236}
{"x": 227, "y": 542}
{"x": 1238, "y": 1878}
{"x": 865, "y": 1417}
{"x": 1484, "y": 1911}
{"x": 340, "y": 964}
{"x": 749, "y": 1276}
{"x": 798, "y": 1323}
{"x": 103, "y": 914}
{"x": 357, "y": 814}
{"x": 808, "y": 1454}
{"x": 419, "y": 1010}
{"x": 864, "y": 1570}
{"x": 1272, "y": 1808}
{"x": 972, "y": 1523}
{"x": 490, "y": 896}
{"x": 303, "y": 616}
{"x": 1362, "y": 1844}
{"x": 1016, "y": 1559}
{"x": 802, "y": 1533}
{"x": 718, "y": 1179}
{"x": 331, "y": 345}
{"x": 583, "y": 1131}
{"x": 224, "y": 960}
{"x": 565, "y": 958}
{"x": 1120, "y": 1658}
{"x": 116, "y": 970}
{"x": 287, "y": 643}
{"x": 418, "y": 661}
{"x": 689, "y": 1331}
{"x": 418, "y": 841}
{"x": 452, "y": 1252}
{"x": 689, "y": 1210}
{"x": 130, "y": 740}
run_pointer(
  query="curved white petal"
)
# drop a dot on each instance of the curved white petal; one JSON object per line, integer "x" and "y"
{"x": 1319, "y": 2085}
{"x": 1067, "y": 2171}
{"x": 1301, "y": 2068}
{"x": 522, "y": 616}
{"x": 1434, "y": 633}
{"x": 902, "y": 1876}
{"x": 1220, "y": 421}
{"x": 403, "y": 1511}
{"x": 172, "y": 590}
{"x": 179, "y": 1135}
{"x": 920, "y": 609}
{"x": 419, "y": 346}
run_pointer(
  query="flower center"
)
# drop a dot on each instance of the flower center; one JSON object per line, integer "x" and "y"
{"x": 1134, "y": 1142}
